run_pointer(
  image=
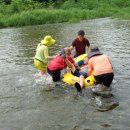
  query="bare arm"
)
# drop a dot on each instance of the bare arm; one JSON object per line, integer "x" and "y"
{"x": 51, "y": 57}
{"x": 70, "y": 65}
{"x": 89, "y": 48}
{"x": 86, "y": 60}
{"x": 71, "y": 48}
{"x": 89, "y": 71}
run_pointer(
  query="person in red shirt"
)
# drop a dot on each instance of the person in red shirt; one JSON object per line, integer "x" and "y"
{"x": 80, "y": 44}
{"x": 58, "y": 63}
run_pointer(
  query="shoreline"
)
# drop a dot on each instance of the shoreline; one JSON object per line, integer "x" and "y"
{"x": 50, "y": 16}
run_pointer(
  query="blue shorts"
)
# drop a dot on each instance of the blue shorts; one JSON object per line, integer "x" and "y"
{"x": 80, "y": 63}
{"x": 78, "y": 73}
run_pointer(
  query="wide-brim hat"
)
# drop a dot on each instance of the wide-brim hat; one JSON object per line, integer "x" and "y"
{"x": 48, "y": 40}
{"x": 94, "y": 51}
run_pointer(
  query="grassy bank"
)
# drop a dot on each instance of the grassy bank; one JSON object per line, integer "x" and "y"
{"x": 21, "y": 14}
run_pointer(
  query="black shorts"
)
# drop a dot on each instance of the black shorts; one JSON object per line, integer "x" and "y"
{"x": 78, "y": 73}
{"x": 55, "y": 74}
{"x": 105, "y": 79}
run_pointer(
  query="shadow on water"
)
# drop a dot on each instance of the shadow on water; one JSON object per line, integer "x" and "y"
{"x": 103, "y": 101}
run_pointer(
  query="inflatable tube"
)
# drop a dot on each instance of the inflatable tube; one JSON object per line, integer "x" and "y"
{"x": 81, "y": 57}
{"x": 71, "y": 79}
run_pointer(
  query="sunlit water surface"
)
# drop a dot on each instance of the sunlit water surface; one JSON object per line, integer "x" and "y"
{"x": 29, "y": 102}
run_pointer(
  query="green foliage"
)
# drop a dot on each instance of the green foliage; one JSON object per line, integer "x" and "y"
{"x": 68, "y": 4}
{"x": 120, "y": 3}
{"x": 29, "y": 12}
{"x": 2, "y": 24}
{"x": 81, "y": 4}
{"x": 124, "y": 13}
{"x": 88, "y": 4}
{"x": 3, "y": 8}
{"x": 16, "y": 6}
{"x": 30, "y": 5}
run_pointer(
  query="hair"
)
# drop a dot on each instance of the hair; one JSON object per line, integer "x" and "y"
{"x": 67, "y": 50}
{"x": 81, "y": 32}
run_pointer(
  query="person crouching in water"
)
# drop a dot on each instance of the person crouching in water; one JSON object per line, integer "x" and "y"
{"x": 102, "y": 69}
{"x": 41, "y": 56}
{"x": 58, "y": 63}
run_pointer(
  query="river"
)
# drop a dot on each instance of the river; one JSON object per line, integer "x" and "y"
{"x": 29, "y": 102}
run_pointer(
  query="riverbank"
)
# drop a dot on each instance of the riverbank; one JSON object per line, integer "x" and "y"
{"x": 16, "y": 16}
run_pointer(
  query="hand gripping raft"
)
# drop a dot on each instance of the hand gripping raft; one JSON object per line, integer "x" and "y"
{"x": 71, "y": 79}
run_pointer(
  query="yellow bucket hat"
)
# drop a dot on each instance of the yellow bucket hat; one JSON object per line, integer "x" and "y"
{"x": 48, "y": 40}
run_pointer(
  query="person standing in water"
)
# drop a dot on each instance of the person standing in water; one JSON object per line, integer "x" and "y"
{"x": 80, "y": 43}
{"x": 41, "y": 56}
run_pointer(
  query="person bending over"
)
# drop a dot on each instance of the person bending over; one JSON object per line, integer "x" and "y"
{"x": 102, "y": 69}
{"x": 58, "y": 63}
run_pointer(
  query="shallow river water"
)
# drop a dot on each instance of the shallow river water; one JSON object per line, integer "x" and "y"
{"x": 29, "y": 102}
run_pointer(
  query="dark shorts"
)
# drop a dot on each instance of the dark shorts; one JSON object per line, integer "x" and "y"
{"x": 105, "y": 79}
{"x": 55, "y": 74}
{"x": 78, "y": 73}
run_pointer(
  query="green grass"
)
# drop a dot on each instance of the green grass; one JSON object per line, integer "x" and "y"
{"x": 21, "y": 14}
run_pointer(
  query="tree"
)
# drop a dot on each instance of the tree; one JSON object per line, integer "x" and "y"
{"x": 7, "y": 1}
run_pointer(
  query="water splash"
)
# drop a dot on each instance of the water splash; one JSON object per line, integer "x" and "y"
{"x": 45, "y": 82}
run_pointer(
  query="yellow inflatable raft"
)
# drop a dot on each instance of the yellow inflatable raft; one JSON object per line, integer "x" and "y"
{"x": 81, "y": 57}
{"x": 71, "y": 79}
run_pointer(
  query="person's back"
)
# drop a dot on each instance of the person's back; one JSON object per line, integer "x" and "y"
{"x": 57, "y": 63}
{"x": 41, "y": 56}
{"x": 101, "y": 64}
{"x": 41, "y": 49}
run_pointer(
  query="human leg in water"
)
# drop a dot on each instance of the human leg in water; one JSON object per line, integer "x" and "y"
{"x": 42, "y": 72}
{"x": 80, "y": 85}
